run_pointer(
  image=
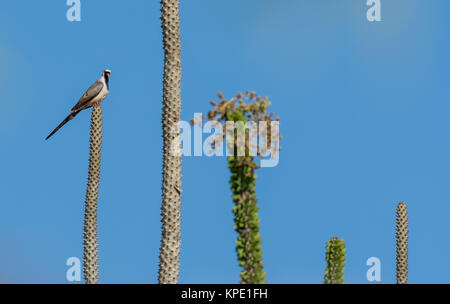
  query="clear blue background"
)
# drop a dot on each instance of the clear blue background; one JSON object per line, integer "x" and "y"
{"x": 364, "y": 116}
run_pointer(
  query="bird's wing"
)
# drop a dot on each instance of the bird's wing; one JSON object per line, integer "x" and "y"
{"x": 93, "y": 91}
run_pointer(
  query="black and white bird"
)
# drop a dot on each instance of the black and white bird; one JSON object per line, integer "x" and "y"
{"x": 94, "y": 95}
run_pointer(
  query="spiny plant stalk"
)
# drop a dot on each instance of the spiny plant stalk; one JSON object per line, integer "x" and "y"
{"x": 243, "y": 177}
{"x": 90, "y": 242}
{"x": 335, "y": 258}
{"x": 171, "y": 176}
{"x": 246, "y": 220}
{"x": 402, "y": 243}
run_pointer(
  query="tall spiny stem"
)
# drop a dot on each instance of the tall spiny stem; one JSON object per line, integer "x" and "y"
{"x": 90, "y": 254}
{"x": 402, "y": 243}
{"x": 246, "y": 219}
{"x": 171, "y": 177}
{"x": 242, "y": 167}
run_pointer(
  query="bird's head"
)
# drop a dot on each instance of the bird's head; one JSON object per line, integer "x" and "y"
{"x": 106, "y": 73}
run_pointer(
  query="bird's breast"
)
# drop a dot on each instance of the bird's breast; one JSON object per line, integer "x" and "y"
{"x": 102, "y": 95}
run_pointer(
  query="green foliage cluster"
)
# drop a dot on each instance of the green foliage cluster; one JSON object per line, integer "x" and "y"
{"x": 335, "y": 258}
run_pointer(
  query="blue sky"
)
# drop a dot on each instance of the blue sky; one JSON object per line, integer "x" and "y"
{"x": 363, "y": 112}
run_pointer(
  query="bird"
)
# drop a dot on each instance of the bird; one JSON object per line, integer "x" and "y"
{"x": 93, "y": 96}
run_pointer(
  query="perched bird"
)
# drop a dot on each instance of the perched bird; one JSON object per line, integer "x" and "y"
{"x": 94, "y": 95}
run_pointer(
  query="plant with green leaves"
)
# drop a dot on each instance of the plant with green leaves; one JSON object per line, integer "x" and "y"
{"x": 335, "y": 259}
{"x": 242, "y": 167}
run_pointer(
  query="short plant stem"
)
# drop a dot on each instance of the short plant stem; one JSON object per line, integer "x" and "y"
{"x": 401, "y": 235}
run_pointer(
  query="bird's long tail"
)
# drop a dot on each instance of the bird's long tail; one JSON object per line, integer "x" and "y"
{"x": 66, "y": 120}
